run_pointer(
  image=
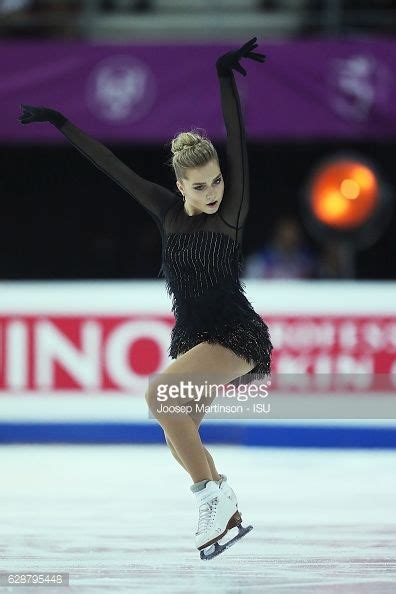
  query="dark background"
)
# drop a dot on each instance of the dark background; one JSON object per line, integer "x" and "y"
{"x": 61, "y": 218}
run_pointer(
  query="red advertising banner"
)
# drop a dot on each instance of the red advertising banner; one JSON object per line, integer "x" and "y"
{"x": 106, "y": 352}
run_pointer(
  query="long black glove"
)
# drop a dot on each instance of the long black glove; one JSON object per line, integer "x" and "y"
{"x": 230, "y": 61}
{"x": 41, "y": 114}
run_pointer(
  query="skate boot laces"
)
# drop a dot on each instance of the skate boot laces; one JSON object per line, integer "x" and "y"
{"x": 207, "y": 512}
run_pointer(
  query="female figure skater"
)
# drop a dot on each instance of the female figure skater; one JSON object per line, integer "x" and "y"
{"x": 217, "y": 330}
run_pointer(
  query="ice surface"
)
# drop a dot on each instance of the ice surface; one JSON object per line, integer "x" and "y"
{"x": 122, "y": 519}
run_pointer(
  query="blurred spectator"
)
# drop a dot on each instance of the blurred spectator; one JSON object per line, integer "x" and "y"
{"x": 336, "y": 261}
{"x": 284, "y": 257}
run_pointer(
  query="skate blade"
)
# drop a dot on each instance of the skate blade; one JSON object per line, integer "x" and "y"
{"x": 215, "y": 549}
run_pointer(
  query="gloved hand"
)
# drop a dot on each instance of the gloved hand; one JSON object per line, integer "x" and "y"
{"x": 230, "y": 61}
{"x": 41, "y": 114}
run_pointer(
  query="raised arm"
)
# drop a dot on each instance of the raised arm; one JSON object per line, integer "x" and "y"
{"x": 153, "y": 197}
{"x": 235, "y": 203}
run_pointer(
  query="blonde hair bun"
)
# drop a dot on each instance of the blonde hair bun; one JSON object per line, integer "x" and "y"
{"x": 185, "y": 140}
{"x": 191, "y": 149}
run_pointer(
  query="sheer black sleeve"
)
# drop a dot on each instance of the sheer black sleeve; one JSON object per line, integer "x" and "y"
{"x": 235, "y": 204}
{"x": 153, "y": 197}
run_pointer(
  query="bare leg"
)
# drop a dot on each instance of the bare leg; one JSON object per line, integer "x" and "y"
{"x": 208, "y": 360}
{"x": 215, "y": 474}
{"x": 187, "y": 442}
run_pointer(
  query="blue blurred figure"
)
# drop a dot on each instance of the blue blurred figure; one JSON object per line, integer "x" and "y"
{"x": 284, "y": 257}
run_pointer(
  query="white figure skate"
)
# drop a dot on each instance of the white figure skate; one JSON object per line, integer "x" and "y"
{"x": 225, "y": 487}
{"x": 218, "y": 514}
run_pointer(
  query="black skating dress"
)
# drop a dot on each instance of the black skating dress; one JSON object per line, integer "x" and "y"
{"x": 201, "y": 254}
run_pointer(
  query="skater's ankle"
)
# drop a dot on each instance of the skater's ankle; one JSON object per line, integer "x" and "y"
{"x": 217, "y": 477}
{"x": 199, "y": 485}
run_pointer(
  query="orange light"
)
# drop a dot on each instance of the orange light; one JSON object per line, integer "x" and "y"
{"x": 350, "y": 189}
{"x": 344, "y": 194}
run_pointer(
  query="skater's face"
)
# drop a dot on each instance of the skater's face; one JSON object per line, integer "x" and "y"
{"x": 202, "y": 186}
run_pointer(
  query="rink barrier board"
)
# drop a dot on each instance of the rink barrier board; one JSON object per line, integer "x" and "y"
{"x": 50, "y": 407}
{"x": 234, "y": 434}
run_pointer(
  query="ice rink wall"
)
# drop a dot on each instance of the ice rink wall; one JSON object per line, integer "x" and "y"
{"x": 75, "y": 359}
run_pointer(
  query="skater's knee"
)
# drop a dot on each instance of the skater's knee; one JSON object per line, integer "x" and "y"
{"x": 156, "y": 398}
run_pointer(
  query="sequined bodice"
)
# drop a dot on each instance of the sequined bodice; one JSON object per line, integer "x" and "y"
{"x": 196, "y": 263}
